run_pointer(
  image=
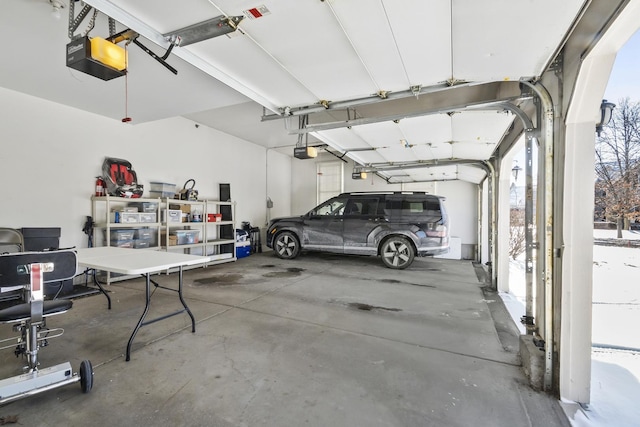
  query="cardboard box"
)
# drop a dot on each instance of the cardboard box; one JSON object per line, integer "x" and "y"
{"x": 173, "y": 239}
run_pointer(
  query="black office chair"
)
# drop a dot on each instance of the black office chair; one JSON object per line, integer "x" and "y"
{"x": 32, "y": 270}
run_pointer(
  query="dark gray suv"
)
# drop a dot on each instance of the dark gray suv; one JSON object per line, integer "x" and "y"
{"x": 396, "y": 226}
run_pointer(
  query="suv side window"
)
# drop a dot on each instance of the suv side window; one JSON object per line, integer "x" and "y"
{"x": 426, "y": 207}
{"x": 361, "y": 207}
{"x": 397, "y": 207}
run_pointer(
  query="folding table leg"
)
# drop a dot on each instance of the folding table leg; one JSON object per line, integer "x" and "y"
{"x": 184, "y": 304}
{"x": 144, "y": 314}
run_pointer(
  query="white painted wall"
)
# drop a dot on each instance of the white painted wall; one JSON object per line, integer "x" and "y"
{"x": 51, "y": 155}
{"x": 278, "y": 186}
{"x": 303, "y": 185}
{"x": 461, "y": 204}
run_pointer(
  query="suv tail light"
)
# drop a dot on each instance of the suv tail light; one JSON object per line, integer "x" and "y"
{"x": 436, "y": 230}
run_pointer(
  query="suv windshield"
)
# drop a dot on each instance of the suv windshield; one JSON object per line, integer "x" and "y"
{"x": 331, "y": 207}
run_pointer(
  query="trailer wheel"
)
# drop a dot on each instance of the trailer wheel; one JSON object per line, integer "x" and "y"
{"x": 86, "y": 376}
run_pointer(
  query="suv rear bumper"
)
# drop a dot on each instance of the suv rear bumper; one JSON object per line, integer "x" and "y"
{"x": 428, "y": 251}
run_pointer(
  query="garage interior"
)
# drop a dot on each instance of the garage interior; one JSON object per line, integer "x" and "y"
{"x": 432, "y": 97}
{"x": 323, "y": 339}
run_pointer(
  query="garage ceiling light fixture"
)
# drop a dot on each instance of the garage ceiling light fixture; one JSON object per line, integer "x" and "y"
{"x": 302, "y": 149}
{"x": 104, "y": 59}
{"x": 358, "y": 174}
{"x": 56, "y": 6}
{"x": 305, "y": 152}
{"x": 95, "y": 56}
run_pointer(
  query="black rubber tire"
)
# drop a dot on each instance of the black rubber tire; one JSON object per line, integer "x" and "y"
{"x": 397, "y": 253}
{"x": 86, "y": 376}
{"x": 286, "y": 245}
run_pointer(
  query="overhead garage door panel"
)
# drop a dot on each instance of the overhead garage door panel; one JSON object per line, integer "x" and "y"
{"x": 397, "y": 46}
{"x": 383, "y": 134}
{"x": 524, "y": 44}
{"x": 481, "y": 126}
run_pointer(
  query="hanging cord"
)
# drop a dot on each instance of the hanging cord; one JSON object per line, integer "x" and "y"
{"x": 126, "y": 118}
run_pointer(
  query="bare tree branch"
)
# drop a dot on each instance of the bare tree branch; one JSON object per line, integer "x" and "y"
{"x": 617, "y": 165}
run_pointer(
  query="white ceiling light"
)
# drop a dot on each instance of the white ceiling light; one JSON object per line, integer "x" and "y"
{"x": 56, "y": 7}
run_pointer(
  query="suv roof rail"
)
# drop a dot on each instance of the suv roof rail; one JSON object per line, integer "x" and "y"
{"x": 364, "y": 193}
{"x": 410, "y": 192}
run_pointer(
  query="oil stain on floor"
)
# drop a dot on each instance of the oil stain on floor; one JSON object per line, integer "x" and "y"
{"x": 221, "y": 279}
{"x": 289, "y": 272}
{"x": 368, "y": 307}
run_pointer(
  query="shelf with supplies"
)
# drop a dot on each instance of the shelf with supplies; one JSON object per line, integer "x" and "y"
{"x": 126, "y": 223}
{"x": 198, "y": 227}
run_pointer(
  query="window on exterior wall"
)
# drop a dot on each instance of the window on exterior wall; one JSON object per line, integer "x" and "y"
{"x": 330, "y": 180}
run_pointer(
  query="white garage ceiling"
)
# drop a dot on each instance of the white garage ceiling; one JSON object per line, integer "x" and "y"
{"x": 302, "y": 53}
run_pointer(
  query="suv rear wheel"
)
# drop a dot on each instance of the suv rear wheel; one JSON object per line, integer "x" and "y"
{"x": 286, "y": 245}
{"x": 397, "y": 253}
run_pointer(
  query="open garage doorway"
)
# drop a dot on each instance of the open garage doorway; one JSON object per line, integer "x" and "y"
{"x": 615, "y": 379}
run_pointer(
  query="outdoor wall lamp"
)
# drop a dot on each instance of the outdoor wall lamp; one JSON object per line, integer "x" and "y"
{"x": 606, "y": 111}
{"x": 515, "y": 170}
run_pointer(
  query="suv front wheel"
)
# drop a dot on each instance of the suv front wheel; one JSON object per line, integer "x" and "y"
{"x": 397, "y": 253}
{"x": 286, "y": 245}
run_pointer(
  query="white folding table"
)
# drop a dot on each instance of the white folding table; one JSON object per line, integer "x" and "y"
{"x": 143, "y": 262}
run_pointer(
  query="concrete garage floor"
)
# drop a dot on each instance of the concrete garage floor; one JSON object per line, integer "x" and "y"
{"x": 318, "y": 341}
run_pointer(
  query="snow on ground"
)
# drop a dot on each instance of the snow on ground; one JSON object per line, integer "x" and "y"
{"x": 615, "y": 357}
{"x": 611, "y": 234}
{"x": 615, "y": 389}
